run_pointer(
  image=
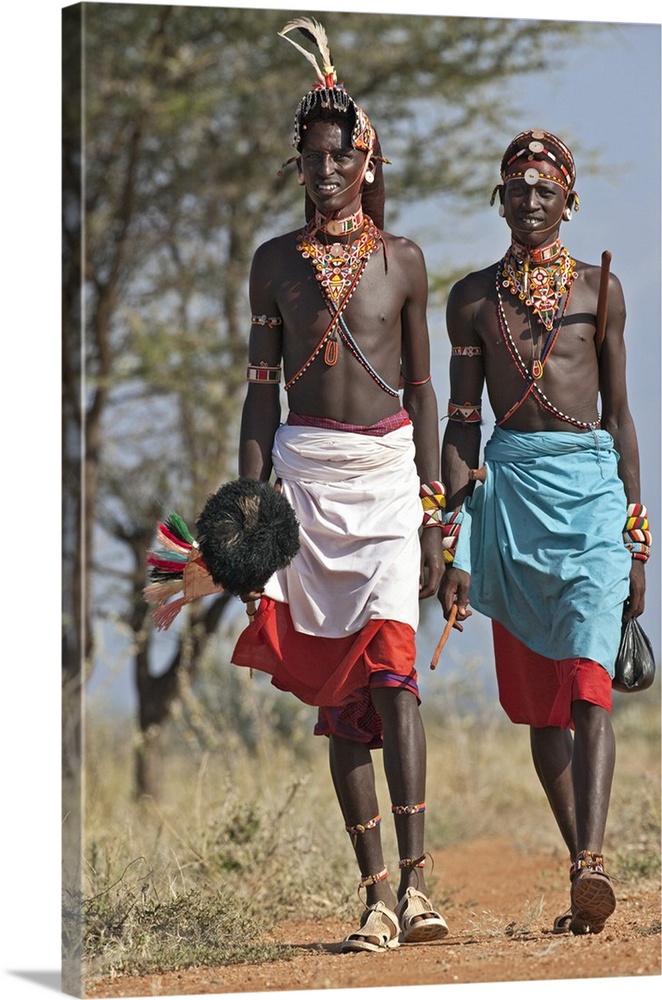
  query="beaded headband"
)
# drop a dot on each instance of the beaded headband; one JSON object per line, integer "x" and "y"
{"x": 326, "y": 93}
{"x": 538, "y": 145}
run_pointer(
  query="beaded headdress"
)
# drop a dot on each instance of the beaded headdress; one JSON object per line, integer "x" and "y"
{"x": 536, "y": 145}
{"x": 326, "y": 93}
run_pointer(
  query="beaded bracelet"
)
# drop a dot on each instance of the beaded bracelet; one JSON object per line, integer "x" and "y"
{"x": 636, "y": 535}
{"x": 433, "y": 498}
{"x": 450, "y": 531}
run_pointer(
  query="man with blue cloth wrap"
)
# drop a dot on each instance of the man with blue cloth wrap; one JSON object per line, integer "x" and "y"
{"x": 548, "y": 538}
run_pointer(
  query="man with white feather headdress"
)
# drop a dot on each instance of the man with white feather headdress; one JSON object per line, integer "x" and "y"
{"x": 340, "y": 308}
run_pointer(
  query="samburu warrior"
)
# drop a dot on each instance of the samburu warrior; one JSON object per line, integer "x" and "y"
{"x": 551, "y": 544}
{"x": 339, "y": 311}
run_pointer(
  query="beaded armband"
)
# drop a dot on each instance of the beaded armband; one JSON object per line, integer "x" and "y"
{"x": 464, "y": 413}
{"x": 636, "y": 535}
{"x": 271, "y": 321}
{"x": 468, "y": 351}
{"x": 263, "y": 373}
{"x": 433, "y": 498}
{"x": 450, "y": 531}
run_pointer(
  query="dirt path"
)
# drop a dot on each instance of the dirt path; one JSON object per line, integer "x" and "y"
{"x": 500, "y": 904}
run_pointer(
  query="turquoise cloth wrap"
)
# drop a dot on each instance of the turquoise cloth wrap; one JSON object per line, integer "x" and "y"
{"x": 542, "y": 538}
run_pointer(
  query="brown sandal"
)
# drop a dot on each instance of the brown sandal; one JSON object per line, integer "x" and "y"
{"x": 592, "y": 896}
{"x": 569, "y": 923}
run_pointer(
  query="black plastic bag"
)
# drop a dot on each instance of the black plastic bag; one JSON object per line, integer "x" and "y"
{"x": 635, "y": 662}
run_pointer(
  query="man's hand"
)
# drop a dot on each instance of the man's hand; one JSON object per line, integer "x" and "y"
{"x": 454, "y": 589}
{"x": 634, "y": 606}
{"x": 432, "y": 562}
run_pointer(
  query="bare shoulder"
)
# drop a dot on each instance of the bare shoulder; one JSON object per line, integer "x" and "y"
{"x": 272, "y": 250}
{"x": 472, "y": 289}
{"x": 589, "y": 277}
{"x": 404, "y": 250}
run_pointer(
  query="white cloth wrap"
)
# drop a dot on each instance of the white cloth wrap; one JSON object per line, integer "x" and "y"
{"x": 356, "y": 497}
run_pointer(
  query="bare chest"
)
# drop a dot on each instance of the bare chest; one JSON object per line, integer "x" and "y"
{"x": 322, "y": 286}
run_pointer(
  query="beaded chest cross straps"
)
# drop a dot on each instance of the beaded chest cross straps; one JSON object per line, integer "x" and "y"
{"x": 545, "y": 289}
{"x": 338, "y": 269}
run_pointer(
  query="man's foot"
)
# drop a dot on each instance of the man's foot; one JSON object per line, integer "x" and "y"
{"x": 379, "y": 930}
{"x": 418, "y": 921}
{"x": 569, "y": 923}
{"x": 592, "y": 896}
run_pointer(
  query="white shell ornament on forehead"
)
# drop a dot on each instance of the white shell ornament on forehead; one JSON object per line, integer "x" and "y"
{"x": 536, "y": 147}
{"x": 531, "y": 176}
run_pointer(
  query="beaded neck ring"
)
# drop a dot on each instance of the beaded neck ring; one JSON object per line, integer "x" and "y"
{"x": 339, "y": 227}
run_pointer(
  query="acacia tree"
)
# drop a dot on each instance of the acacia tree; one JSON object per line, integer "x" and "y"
{"x": 174, "y": 170}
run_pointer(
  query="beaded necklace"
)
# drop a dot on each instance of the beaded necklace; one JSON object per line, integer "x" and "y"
{"x": 338, "y": 269}
{"x": 338, "y": 265}
{"x": 539, "y": 277}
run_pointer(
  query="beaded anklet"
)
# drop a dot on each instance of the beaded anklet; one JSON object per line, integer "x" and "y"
{"x": 362, "y": 827}
{"x": 589, "y": 860}
{"x": 413, "y": 862}
{"x": 408, "y": 810}
{"x": 367, "y": 880}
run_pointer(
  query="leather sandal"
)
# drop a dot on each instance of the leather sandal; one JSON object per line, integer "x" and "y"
{"x": 569, "y": 923}
{"x": 377, "y": 922}
{"x": 429, "y": 927}
{"x": 592, "y": 896}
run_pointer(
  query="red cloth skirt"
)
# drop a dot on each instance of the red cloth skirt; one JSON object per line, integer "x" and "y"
{"x": 539, "y": 692}
{"x": 333, "y": 674}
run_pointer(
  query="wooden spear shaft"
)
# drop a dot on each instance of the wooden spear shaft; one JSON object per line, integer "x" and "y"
{"x": 601, "y": 312}
{"x": 444, "y": 636}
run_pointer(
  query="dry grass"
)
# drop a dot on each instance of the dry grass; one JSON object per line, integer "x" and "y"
{"x": 249, "y": 822}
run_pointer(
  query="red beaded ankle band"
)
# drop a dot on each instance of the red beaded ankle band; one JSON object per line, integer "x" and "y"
{"x": 413, "y": 862}
{"x": 372, "y": 879}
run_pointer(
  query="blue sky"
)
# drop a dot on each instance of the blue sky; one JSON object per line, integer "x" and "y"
{"x": 609, "y": 99}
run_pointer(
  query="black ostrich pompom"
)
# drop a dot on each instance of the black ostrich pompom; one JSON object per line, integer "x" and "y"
{"x": 246, "y": 531}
